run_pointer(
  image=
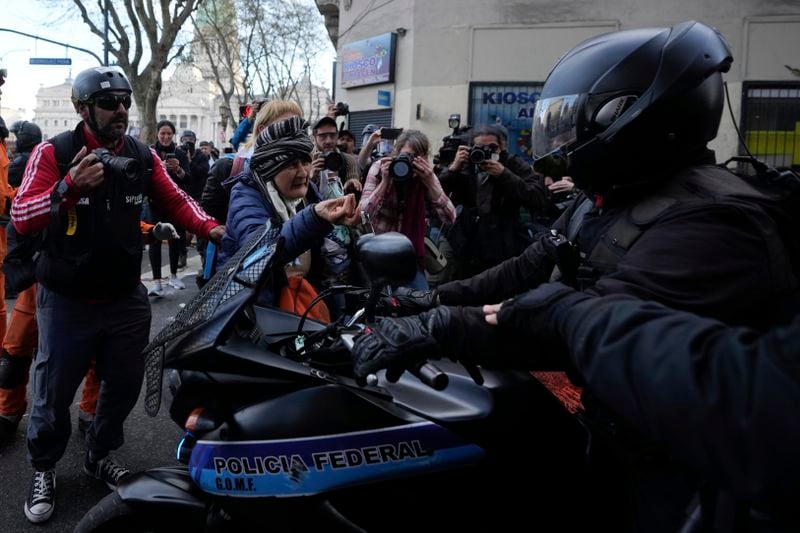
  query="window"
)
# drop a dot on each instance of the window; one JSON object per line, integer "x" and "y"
{"x": 182, "y": 123}
{"x": 65, "y": 123}
{"x": 771, "y": 122}
{"x": 509, "y": 105}
{"x": 45, "y": 123}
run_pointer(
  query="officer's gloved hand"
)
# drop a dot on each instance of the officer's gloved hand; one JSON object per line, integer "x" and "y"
{"x": 534, "y": 312}
{"x": 405, "y": 301}
{"x": 164, "y": 231}
{"x": 398, "y": 343}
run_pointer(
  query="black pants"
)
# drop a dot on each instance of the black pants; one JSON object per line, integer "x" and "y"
{"x": 175, "y": 247}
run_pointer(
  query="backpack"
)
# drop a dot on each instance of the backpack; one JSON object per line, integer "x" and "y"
{"x": 776, "y": 194}
{"x": 782, "y": 187}
{"x": 19, "y": 265}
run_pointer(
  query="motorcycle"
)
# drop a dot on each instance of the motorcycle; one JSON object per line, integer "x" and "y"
{"x": 280, "y": 436}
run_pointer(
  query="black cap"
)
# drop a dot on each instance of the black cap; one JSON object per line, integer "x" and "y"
{"x": 326, "y": 120}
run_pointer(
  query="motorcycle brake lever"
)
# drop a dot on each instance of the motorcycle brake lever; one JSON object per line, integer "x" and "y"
{"x": 474, "y": 372}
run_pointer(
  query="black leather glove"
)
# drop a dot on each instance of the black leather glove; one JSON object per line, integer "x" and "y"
{"x": 534, "y": 312}
{"x": 399, "y": 342}
{"x": 405, "y": 301}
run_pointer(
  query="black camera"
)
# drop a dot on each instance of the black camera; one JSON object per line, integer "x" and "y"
{"x": 118, "y": 165}
{"x": 447, "y": 153}
{"x": 479, "y": 154}
{"x": 333, "y": 161}
{"x": 402, "y": 167}
{"x": 341, "y": 109}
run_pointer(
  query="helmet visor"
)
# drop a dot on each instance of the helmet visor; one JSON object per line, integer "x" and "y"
{"x": 554, "y": 124}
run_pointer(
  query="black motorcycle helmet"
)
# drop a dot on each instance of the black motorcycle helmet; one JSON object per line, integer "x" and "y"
{"x": 621, "y": 109}
{"x": 27, "y": 133}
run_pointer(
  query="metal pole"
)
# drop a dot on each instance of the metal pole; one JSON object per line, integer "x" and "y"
{"x": 54, "y": 42}
{"x": 105, "y": 33}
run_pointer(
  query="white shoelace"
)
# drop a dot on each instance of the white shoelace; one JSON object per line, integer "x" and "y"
{"x": 43, "y": 486}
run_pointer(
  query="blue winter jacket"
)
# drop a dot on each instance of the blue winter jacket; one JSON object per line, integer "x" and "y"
{"x": 248, "y": 211}
{"x": 241, "y": 133}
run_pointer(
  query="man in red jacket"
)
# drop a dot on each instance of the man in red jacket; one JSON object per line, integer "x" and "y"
{"x": 84, "y": 189}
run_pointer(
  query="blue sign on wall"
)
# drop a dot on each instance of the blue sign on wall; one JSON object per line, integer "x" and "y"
{"x": 50, "y": 61}
{"x": 510, "y": 105}
{"x": 368, "y": 62}
{"x": 384, "y": 98}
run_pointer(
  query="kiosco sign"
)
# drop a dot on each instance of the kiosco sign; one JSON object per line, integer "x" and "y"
{"x": 510, "y": 105}
{"x": 369, "y": 61}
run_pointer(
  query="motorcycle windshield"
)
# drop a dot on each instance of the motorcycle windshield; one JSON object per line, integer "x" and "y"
{"x": 217, "y": 302}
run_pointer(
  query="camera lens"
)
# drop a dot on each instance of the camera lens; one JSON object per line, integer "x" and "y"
{"x": 401, "y": 168}
{"x": 476, "y": 155}
{"x": 333, "y": 161}
{"x": 121, "y": 166}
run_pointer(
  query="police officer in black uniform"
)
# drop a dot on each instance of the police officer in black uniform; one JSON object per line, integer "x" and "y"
{"x": 27, "y": 135}
{"x": 628, "y": 116}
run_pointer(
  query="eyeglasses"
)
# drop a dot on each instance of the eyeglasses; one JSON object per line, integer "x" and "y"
{"x": 110, "y": 102}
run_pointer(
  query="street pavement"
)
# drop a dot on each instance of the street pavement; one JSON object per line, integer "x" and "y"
{"x": 149, "y": 442}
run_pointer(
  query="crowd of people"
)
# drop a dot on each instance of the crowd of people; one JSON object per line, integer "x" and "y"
{"x": 659, "y": 282}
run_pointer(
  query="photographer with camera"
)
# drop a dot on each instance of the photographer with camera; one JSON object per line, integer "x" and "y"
{"x": 198, "y": 165}
{"x": 396, "y": 192}
{"x": 328, "y": 159}
{"x": 86, "y": 188}
{"x": 490, "y": 186}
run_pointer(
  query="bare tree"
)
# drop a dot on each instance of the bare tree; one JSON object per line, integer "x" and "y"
{"x": 263, "y": 48}
{"x": 291, "y": 35}
{"x": 139, "y": 31}
{"x": 216, "y": 36}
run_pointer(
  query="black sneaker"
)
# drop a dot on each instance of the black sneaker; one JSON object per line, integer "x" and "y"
{"x": 41, "y": 501}
{"x": 105, "y": 469}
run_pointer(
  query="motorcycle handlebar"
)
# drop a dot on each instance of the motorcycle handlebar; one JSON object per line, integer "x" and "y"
{"x": 428, "y": 373}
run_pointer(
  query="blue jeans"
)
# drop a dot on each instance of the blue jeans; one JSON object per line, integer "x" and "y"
{"x": 71, "y": 333}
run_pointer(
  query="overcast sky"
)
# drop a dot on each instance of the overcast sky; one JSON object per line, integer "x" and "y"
{"x": 38, "y": 17}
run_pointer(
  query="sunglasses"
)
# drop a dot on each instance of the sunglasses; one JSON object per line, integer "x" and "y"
{"x": 110, "y": 102}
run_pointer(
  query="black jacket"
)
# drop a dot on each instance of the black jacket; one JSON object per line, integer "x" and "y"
{"x": 215, "y": 197}
{"x": 713, "y": 256}
{"x": 17, "y": 169}
{"x": 709, "y": 257}
{"x": 723, "y": 400}
{"x": 488, "y": 229}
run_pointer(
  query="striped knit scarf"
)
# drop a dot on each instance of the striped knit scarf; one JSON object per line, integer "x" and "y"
{"x": 278, "y": 146}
